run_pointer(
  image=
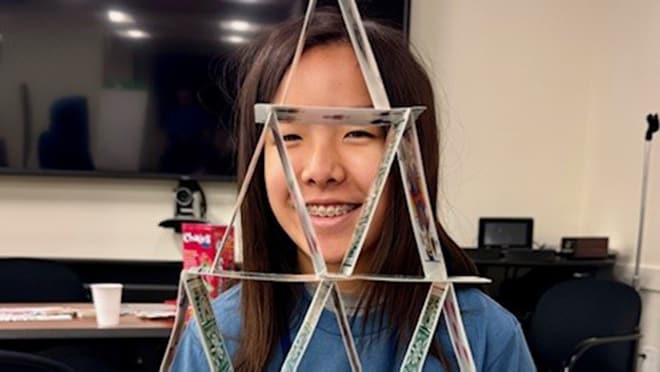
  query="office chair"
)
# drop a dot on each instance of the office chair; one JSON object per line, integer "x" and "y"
{"x": 23, "y": 362}
{"x": 586, "y": 325}
{"x": 36, "y": 280}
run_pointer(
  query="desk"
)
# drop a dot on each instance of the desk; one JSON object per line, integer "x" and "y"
{"x": 519, "y": 278}
{"x": 130, "y": 326}
{"x": 555, "y": 262}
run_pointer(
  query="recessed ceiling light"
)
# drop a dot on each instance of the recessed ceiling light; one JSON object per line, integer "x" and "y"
{"x": 253, "y": 1}
{"x": 135, "y": 34}
{"x": 237, "y": 25}
{"x": 234, "y": 39}
{"x": 116, "y": 16}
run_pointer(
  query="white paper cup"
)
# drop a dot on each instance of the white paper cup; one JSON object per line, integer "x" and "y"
{"x": 107, "y": 303}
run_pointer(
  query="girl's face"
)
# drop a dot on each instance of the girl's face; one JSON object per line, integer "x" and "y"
{"x": 334, "y": 165}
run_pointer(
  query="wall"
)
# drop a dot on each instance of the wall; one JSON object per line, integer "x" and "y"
{"x": 544, "y": 107}
{"x": 95, "y": 218}
{"x": 513, "y": 83}
{"x": 626, "y": 62}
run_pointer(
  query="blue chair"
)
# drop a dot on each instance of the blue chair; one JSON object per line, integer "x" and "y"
{"x": 585, "y": 325}
{"x": 37, "y": 280}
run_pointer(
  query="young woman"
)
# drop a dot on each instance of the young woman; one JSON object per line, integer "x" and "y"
{"x": 334, "y": 166}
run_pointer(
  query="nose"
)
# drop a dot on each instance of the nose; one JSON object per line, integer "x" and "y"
{"x": 323, "y": 167}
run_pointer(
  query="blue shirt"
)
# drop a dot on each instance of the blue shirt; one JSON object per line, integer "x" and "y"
{"x": 495, "y": 338}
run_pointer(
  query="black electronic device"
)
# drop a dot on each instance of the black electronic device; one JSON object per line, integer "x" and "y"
{"x": 505, "y": 233}
{"x": 132, "y": 88}
{"x": 189, "y": 205}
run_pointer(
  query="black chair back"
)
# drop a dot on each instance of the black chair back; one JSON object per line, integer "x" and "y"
{"x": 23, "y": 362}
{"x": 575, "y": 310}
{"x": 36, "y": 280}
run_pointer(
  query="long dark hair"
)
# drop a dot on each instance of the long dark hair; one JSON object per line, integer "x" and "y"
{"x": 266, "y": 306}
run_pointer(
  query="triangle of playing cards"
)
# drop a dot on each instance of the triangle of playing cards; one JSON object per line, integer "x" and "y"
{"x": 401, "y": 143}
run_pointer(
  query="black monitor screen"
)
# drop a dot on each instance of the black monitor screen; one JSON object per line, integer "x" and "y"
{"x": 113, "y": 87}
{"x": 506, "y": 233}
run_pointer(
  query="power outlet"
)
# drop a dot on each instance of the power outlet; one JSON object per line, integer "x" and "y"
{"x": 650, "y": 361}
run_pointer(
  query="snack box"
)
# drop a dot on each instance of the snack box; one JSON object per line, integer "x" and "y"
{"x": 200, "y": 244}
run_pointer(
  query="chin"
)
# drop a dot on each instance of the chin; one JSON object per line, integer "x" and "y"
{"x": 333, "y": 254}
{"x": 333, "y": 261}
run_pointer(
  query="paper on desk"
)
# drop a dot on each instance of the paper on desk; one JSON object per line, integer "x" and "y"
{"x": 36, "y": 313}
{"x": 150, "y": 310}
{"x": 141, "y": 310}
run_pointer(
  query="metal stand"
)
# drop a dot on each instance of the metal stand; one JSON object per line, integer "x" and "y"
{"x": 652, "y": 120}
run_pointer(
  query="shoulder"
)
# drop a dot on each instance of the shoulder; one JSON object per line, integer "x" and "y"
{"x": 190, "y": 354}
{"x": 476, "y": 305}
{"x": 495, "y": 335}
{"x": 228, "y": 301}
{"x": 227, "y": 309}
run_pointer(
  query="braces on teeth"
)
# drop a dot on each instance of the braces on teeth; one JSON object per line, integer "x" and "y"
{"x": 329, "y": 210}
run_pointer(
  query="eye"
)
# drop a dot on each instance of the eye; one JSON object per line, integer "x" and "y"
{"x": 360, "y": 134}
{"x": 291, "y": 137}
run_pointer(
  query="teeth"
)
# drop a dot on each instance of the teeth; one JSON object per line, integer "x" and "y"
{"x": 329, "y": 210}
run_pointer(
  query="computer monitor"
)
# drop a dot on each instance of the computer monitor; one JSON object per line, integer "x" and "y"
{"x": 506, "y": 232}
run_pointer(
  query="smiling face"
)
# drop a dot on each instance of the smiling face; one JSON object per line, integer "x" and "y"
{"x": 334, "y": 165}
